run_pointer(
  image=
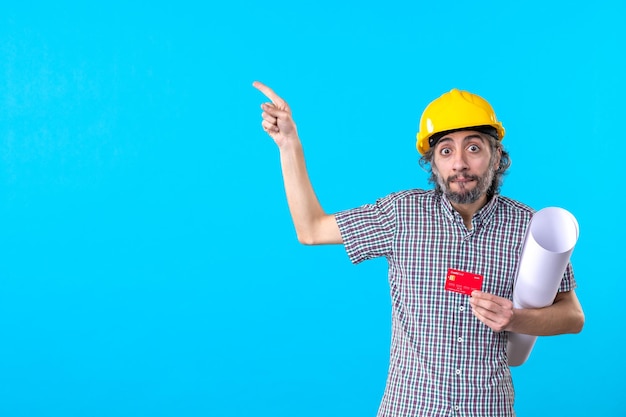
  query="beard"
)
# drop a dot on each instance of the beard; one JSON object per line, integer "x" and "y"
{"x": 464, "y": 195}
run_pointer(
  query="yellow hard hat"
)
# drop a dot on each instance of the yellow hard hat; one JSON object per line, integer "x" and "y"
{"x": 455, "y": 110}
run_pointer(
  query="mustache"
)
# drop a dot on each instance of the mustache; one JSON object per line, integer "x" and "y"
{"x": 465, "y": 176}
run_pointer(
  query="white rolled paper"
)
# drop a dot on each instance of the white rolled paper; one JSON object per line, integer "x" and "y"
{"x": 548, "y": 245}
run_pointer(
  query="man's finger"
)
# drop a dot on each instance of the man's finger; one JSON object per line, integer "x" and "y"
{"x": 268, "y": 92}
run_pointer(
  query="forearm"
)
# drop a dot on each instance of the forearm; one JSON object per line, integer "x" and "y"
{"x": 312, "y": 224}
{"x": 565, "y": 315}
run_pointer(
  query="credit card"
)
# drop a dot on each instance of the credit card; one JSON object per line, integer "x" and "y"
{"x": 463, "y": 282}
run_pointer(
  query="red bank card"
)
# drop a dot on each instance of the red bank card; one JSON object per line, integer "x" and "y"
{"x": 463, "y": 282}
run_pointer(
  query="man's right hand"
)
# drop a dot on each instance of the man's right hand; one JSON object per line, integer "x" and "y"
{"x": 277, "y": 120}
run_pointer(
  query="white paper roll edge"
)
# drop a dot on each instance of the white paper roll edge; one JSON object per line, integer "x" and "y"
{"x": 548, "y": 245}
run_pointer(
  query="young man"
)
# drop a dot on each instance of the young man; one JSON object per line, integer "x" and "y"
{"x": 448, "y": 350}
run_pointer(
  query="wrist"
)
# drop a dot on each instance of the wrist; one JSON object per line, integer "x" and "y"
{"x": 290, "y": 144}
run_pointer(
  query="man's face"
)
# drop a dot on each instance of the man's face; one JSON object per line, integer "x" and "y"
{"x": 463, "y": 165}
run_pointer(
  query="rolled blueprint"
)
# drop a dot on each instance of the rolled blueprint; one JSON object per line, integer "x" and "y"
{"x": 548, "y": 245}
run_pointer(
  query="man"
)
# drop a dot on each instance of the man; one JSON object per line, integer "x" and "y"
{"x": 448, "y": 350}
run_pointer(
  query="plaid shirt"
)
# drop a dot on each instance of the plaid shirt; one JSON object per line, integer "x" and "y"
{"x": 444, "y": 361}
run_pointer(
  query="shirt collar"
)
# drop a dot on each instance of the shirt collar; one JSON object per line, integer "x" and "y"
{"x": 480, "y": 218}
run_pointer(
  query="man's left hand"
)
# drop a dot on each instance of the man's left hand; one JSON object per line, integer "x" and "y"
{"x": 496, "y": 312}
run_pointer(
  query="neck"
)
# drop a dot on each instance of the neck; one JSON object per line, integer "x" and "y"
{"x": 467, "y": 211}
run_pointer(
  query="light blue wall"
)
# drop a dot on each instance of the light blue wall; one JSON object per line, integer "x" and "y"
{"x": 148, "y": 265}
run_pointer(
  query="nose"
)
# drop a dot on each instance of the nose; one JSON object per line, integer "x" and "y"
{"x": 459, "y": 163}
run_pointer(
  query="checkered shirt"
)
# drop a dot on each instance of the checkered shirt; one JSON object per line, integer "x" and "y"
{"x": 444, "y": 361}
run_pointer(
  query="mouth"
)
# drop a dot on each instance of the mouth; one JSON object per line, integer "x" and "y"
{"x": 462, "y": 180}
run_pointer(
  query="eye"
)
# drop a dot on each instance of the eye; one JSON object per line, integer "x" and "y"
{"x": 445, "y": 151}
{"x": 473, "y": 148}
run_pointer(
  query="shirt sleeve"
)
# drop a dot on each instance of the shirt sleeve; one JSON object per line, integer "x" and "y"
{"x": 568, "y": 282}
{"x": 368, "y": 231}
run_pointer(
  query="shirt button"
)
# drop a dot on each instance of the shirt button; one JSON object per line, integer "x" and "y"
{"x": 458, "y": 372}
{"x": 460, "y": 339}
{"x": 456, "y": 408}
{"x": 462, "y": 308}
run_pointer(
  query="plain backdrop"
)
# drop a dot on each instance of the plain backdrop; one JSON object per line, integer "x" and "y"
{"x": 148, "y": 264}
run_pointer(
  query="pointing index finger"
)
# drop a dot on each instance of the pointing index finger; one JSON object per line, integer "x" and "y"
{"x": 268, "y": 92}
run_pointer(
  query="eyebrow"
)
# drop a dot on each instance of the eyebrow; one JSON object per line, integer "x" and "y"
{"x": 466, "y": 138}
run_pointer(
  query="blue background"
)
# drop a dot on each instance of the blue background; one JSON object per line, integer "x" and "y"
{"x": 148, "y": 262}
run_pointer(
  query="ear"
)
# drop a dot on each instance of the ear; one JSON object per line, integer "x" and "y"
{"x": 496, "y": 162}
